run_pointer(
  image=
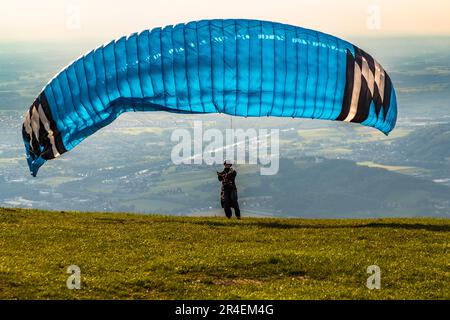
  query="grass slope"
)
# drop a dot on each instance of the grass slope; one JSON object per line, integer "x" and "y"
{"x": 156, "y": 257}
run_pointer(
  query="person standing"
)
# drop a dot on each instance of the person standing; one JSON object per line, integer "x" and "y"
{"x": 228, "y": 194}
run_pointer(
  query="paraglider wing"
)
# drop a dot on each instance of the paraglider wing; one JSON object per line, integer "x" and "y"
{"x": 244, "y": 68}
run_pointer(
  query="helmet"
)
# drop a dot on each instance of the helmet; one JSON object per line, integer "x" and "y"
{"x": 227, "y": 162}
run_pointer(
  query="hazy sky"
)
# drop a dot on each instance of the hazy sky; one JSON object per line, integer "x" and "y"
{"x": 105, "y": 19}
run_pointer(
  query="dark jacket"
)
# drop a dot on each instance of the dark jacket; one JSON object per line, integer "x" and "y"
{"x": 227, "y": 178}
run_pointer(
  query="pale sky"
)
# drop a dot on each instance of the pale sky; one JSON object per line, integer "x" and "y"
{"x": 55, "y": 20}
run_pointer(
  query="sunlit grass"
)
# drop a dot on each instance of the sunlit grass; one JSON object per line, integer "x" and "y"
{"x": 401, "y": 169}
{"x": 157, "y": 257}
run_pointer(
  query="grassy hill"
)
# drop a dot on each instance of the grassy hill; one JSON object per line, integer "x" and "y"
{"x": 159, "y": 257}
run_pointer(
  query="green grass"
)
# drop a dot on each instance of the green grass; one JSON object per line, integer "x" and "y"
{"x": 156, "y": 257}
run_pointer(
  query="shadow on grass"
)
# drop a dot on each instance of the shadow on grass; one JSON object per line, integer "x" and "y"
{"x": 283, "y": 225}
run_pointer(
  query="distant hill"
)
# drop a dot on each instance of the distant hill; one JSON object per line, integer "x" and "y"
{"x": 431, "y": 144}
{"x": 341, "y": 188}
{"x": 129, "y": 256}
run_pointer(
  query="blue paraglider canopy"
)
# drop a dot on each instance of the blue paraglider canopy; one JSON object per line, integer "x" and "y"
{"x": 243, "y": 68}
